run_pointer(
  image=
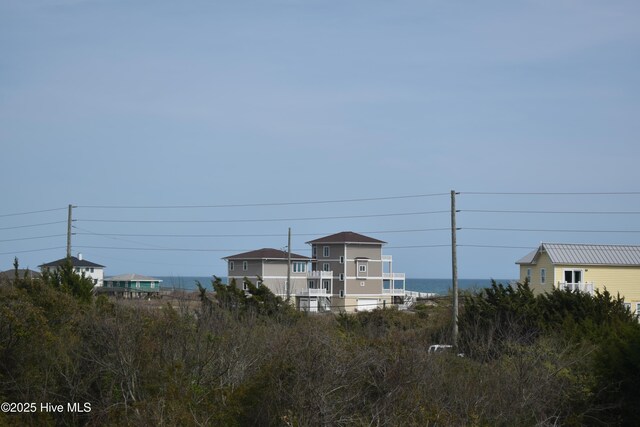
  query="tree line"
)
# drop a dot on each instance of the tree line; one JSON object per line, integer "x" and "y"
{"x": 248, "y": 358}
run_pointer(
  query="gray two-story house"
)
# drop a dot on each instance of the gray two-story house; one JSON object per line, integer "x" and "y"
{"x": 270, "y": 265}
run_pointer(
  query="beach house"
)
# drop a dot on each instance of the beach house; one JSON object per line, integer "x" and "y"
{"x": 270, "y": 266}
{"x": 351, "y": 274}
{"x": 585, "y": 267}
{"x": 81, "y": 266}
{"x": 131, "y": 285}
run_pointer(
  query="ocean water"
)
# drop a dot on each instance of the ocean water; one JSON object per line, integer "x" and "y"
{"x": 438, "y": 286}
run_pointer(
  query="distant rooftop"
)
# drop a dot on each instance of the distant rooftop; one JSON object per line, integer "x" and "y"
{"x": 266, "y": 253}
{"x": 75, "y": 261}
{"x": 586, "y": 254}
{"x": 347, "y": 237}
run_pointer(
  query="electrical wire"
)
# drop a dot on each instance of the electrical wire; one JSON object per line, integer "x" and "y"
{"x": 552, "y": 212}
{"x": 244, "y": 205}
{"x": 32, "y": 212}
{"x": 250, "y": 235}
{"x": 260, "y": 219}
{"x": 32, "y": 225}
{"x": 547, "y": 230}
{"x": 32, "y": 238}
{"x": 604, "y": 193}
{"x": 32, "y": 250}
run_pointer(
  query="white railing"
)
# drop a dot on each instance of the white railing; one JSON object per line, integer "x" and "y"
{"x": 398, "y": 291}
{"x": 319, "y": 274}
{"x": 387, "y": 258}
{"x": 394, "y": 276}
{"x": 581, "y": 286}
{"x": 313, "y": 293}
{"x": 415, "y": 294}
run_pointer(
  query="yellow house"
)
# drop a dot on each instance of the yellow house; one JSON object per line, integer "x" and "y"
{"x": 585, "y": 268}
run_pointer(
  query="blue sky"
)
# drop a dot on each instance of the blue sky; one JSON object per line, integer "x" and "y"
{"x": 203, "y": 103}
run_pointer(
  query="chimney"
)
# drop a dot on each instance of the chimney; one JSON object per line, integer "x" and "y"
{"x": 79, "y": 257}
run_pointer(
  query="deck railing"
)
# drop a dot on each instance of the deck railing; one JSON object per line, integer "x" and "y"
{"x": 581, "y": 286}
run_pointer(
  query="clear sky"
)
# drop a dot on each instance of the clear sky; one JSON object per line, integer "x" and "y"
{"x": 207, "y": 103}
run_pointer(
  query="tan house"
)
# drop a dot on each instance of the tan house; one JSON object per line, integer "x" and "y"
{"x": 585, "y": 268}
{"x": 270, "y": 265}
{"x": 353, "y": 275}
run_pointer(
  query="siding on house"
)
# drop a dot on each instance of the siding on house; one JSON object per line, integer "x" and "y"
{"x": 615, "y": 268}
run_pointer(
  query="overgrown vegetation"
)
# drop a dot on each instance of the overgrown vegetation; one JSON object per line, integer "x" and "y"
{"x": 248, "y": 358}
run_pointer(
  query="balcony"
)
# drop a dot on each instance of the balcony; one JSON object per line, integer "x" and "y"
{"x": 393, "y": 276}
{"x": 319, "y": 274}
{"x": 394, "y": 292}
{"x": 581, "y": 286}
{"x": 313, "y": 293}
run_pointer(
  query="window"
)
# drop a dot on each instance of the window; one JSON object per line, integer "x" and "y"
{"x": 341, "y": 277}
{"x": 138, "y": 285}
{"x": 628, "y": 305}
{"x": 326, "y": 267}
{"x": 638, "y": 309}
{"x": 245, "y": 286}
{"x": 543, "y": 276}
{"x": 313, "y": 251}
{"x": 361, "y": 283}
{"x": 231, "y": 265}
{"x": 341, "y": 293}
{"x": 529, "y": 274}
{"x": 573, "y": 276}
{"x": 312, "y": 284}
{"x": 325, "y": 251}
{"x": 299, "y": 267}
{"x": 362, "y": 268}
{"x": 153, "y": 285}
{"x": 341, "y": 260}
{"x": 91, "y": 269}
{"x": 325, "y": 284}
{"x": 245, "y": 265}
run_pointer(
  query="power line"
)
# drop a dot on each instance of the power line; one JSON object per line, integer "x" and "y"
{"x": 163, "y": 249}
{"x": 548, "y": 230}
{"x": 552, "y": 212}
{"x": 244, "y": 205}
{"x": 32, "y": 238}
{"x": 263, "y": 219}
{"x": 32, "y": 212}
{"x": 247, "y": 235}
{"x": 33, "y": 225}
{"x": 497, "y": 246}
{"x": 32, "y": 250}
{"x": 614, "y": 193}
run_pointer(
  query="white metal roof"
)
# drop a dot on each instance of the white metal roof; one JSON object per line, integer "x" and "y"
{"x": 586, "y": 254}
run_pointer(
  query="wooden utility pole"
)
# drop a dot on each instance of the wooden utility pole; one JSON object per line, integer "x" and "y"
{"x": 69, "y": 220}
{"x": 454, "y": 269}
{"x": 289, "y": 266}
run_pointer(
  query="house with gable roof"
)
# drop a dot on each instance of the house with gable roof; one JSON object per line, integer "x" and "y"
{"x": 585, "y": 267}
{"x": 362, "y": 277}
{"x": 270, "y": 265}
{"x": 81, "y": 266}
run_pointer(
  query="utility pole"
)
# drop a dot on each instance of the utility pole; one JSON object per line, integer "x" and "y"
{"x": 289, "y": 267}
{"x": 454, "y": 269}
{"x": 69, "y": 220}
